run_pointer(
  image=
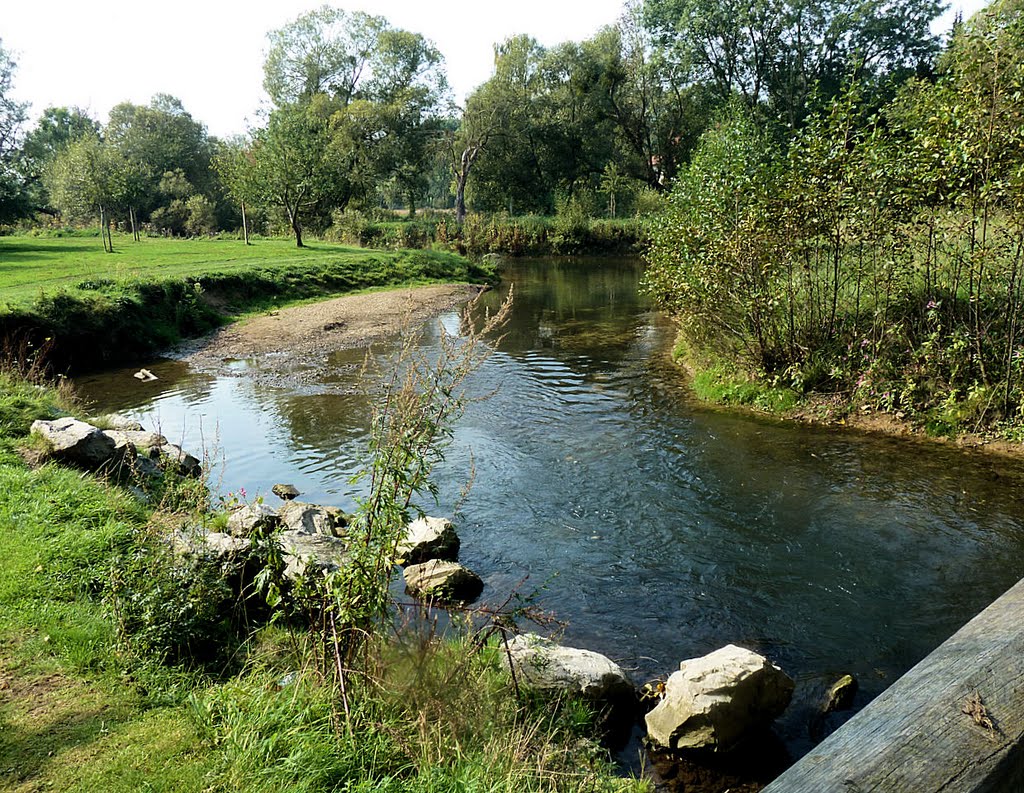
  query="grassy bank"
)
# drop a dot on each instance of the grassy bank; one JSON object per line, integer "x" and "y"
{"x": 97, "y": 308}
{"x": 108, "y": 680}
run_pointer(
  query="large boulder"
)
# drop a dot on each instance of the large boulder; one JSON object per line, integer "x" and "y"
{"x": 304, "y": 552}
{"x": 713, "y": 701}
{"x": 443, "y": 581}
{"x": 77, "y": 443}
{"x": 252, "y": 518}
{"x": 428, "y": 538}
{"x": 312, "y": 518}
{"x": 549, "y": 668}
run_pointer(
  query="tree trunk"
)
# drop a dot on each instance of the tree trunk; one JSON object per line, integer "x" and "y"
{"x": 296, "y": 227}
{"x": 245, "y": 227}
{"x": 461, "y": 176}
{"x": 108, "y": 247}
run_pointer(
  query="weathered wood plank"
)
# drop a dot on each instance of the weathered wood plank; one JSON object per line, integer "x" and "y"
{"x": 954, "y": 723}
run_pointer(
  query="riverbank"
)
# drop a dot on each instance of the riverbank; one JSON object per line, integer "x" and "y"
{"x": 89, "y": 309}
{"x": 318, "y": 328}
{"x": 124, "y": 667}
{"x": 720, "y": 387}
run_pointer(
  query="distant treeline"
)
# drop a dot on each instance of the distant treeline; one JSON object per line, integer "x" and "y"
{"x": 363, "y": 119}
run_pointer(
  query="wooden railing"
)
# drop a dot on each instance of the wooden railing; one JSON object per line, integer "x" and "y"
{"x": 953, "y": 723}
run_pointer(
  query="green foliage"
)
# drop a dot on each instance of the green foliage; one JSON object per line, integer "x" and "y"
{"x": 881, "y": 258}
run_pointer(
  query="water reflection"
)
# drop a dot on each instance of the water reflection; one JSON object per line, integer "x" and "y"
{"x": 659, "y": 529}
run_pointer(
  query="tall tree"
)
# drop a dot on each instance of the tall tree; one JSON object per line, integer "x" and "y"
{"x": 326, "y": 51}
{"x": 292, "y": 163}
{"x": 56, "y": 128}
{"x": 12, "y": 115}
{"x": 88, "y": 177}
{"x": 780, "y": 52}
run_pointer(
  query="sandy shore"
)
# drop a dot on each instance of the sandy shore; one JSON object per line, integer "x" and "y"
{"x": 314, "y": 330}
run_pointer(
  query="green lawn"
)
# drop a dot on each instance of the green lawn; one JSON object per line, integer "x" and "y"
{"x": 32, "y": 265}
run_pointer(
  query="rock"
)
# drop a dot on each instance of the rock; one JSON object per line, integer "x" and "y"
{"x": 115, "y": 421}
{"x": 550, "y": 668}
{"x": 840, "y": 695}
{"x": 76, "y": 443}
{"x": 144, "y": 467}
{"x": 245, "y": 521}
{"x": 713, "y": 701}
{"x": 196, "y": 541}
{"x": 285, "y": 492}
{"x": 428, "y": 538}
{"x": 303, "y": 552}
{"x": 444, "y": 581}
{"x": 140, "y": 440}
{"x": 311, "y": 518}
{"x": 173, "y": 457}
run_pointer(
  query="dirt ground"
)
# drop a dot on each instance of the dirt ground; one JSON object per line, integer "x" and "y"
{"x": 315, "y": 329}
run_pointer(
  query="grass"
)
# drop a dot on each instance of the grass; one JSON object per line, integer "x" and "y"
{"x": 95, "y": 309}
{"x": 81, "y": 711}
{"x": 34, "y": 266}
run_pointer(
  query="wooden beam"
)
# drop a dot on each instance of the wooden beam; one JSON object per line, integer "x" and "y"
{"x": 954, "y": 723}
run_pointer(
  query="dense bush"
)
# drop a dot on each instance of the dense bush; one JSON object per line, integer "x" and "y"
{"x": 877, "y": 255}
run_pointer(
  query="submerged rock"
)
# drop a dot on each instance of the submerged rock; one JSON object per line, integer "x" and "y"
{"x": 245, "y": 521}
{"x": 714, "y": 701}
{"x": 285, "y": 492}
{"x": 428, "y": 538}
{"x": 443, "y": 581}
{"x": 549, "y": 668}
{"x": 80, "y": 444}
{"x": 840, "y": 694}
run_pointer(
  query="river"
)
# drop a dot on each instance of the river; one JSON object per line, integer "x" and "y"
{"x": 657, "y": 528}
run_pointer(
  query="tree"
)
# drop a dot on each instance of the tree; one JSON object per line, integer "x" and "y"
{"x": 387, "y": 85}
{"x": 234, "y": 163}
{"x": 778, "y": 53}
{"x": 326, "y": 51}
{"x": 292, "y": 165}
{"x": 56, "y": 128}
{"x": 160, "y": 138}
{"x": 12, "y": 115}
{"x": 87, "y": 177}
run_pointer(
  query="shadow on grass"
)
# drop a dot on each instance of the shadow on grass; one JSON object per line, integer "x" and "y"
{"x": 20, "y": 248}
{"x": 26, "y": 751}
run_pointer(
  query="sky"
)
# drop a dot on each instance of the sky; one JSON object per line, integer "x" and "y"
{"x": 209, "y": 53}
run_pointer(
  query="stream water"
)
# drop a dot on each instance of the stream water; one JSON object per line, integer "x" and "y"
{"x": 658, "y": 529}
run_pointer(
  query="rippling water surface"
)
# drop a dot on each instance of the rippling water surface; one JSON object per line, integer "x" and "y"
{"x": 658, "y": 529}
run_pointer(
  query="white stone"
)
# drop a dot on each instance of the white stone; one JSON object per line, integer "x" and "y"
{"x": 714, "y": 700}
{"x": 75, "y": 442}
{"x": 444, "y": 581}
{"x": 243, "y": 521}
{"x": 550, "y": 668}
{"x": 302, "y": 551}
{"x": 428, "y": 538}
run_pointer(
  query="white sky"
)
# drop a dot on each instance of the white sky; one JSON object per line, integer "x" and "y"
{"x": 209, "y": 53}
